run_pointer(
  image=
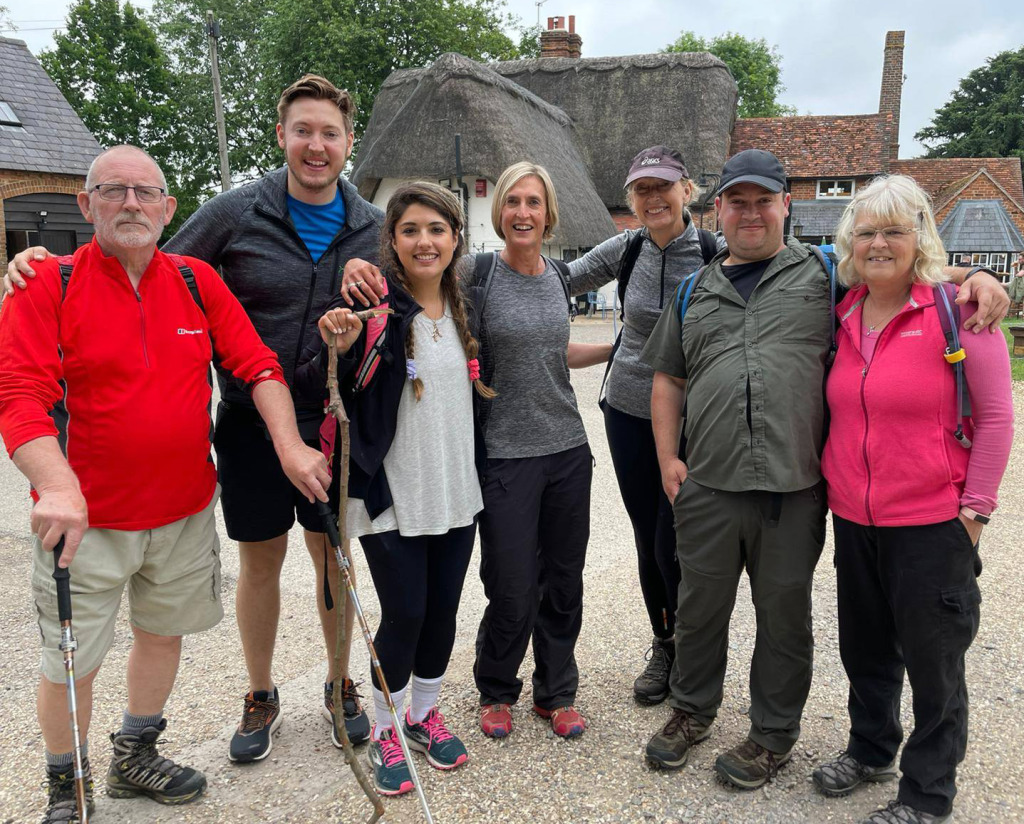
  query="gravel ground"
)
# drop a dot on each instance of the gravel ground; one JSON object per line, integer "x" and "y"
{"x": 532, "y": 776}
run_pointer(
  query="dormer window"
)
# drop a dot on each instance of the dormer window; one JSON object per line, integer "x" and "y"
{"x": 835, "y": 188}
{"x": 7, "y": 115}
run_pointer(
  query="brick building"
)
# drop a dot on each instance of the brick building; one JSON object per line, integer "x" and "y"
{"x": 45, "y": 152}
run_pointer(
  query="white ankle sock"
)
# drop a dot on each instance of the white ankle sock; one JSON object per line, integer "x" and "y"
{"x": 381, "y": 713}
{"x": 424, "y": 697}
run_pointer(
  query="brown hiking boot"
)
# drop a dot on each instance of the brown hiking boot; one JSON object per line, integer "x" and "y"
{"x": 750, "y": 765}
{"x": 670, "y": 747}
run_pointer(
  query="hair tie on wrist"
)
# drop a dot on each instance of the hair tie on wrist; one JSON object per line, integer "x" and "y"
{"x": 474, "y": 369}
{"x": 410, "y": 369}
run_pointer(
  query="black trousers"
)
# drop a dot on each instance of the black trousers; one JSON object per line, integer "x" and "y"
{"x": 419, "y": 584}
{"x": 631, "y": 442}
{"x": 908, "y": 602}
{"x": 533, "y": 544}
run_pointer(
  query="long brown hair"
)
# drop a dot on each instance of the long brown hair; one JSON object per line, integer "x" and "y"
{"x": 441, "y": 200}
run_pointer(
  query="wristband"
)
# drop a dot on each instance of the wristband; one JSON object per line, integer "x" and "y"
{"x": 977, "y": 517}
{"x": 977, "y": 269}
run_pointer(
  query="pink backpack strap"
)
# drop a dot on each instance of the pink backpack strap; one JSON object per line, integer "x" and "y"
{"x": 376, "y": 341}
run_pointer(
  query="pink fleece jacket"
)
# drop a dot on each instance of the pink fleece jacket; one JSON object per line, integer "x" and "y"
{"x": 891, "y": 458}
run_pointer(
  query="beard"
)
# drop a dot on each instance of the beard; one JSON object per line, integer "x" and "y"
{"x": 126, "y": 230}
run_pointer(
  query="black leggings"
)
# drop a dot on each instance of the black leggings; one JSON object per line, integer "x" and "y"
{"x": 631, "y": 442}
{"x": 419, "y": 584}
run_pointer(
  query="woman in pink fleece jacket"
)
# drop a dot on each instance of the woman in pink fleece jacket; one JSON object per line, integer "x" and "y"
{"x": 909, "y": 500}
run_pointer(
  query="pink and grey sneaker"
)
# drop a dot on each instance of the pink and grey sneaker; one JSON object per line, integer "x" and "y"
{"x": 390, "y": 769}
{"x": 443, "y": 750}
{"x": 565, "y": 721}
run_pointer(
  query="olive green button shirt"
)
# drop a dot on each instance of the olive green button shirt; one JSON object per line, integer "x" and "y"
{"x": 755, "y": 373}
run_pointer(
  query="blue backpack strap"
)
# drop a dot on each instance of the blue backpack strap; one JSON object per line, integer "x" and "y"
{"x": 949, "y": 320}
{"x": 827, "y": 258}
{"x": 685, "y": 290}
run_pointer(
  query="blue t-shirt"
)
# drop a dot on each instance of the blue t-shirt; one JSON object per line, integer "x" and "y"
{"x": 317, "y": 225}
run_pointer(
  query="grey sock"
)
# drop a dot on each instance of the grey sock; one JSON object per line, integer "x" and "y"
{"x": 135, "y": 724}
{"x": 61, "y": 761}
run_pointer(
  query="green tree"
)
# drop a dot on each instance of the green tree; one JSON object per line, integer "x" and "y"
{"x": 756, "y": 67}
{"x": 109, "y": 66}
{"x": 985, "y": 115}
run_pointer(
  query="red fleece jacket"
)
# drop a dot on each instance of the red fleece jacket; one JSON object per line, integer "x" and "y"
{"x": 135, "y": 368}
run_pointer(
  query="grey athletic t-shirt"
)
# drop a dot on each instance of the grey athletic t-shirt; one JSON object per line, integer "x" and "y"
{"x": 526, "y": 327}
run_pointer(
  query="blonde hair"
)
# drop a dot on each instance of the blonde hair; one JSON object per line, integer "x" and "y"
{"x": 893, "y": 200}
{"x": 316, "y": 87}
{"x": 509, "y": 178}
{"x": 442, "y": 201}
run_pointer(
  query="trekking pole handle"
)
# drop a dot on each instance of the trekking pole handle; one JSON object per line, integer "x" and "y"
{"x": 330, "y": 527}
{"x": 63, "y": 578}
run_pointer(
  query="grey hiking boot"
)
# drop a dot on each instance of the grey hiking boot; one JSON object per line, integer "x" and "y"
{"x": 841, "y": 776}
{"x": 652, "y": 686}
{"x": 62, "y": 807}
{"x": 669, "y": 748}
{"x": 896, "y": 812}
{"x": 750, "y": 765}
{"x": 138, "y": 769}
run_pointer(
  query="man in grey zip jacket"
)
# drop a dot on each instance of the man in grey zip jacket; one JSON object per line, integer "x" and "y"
{"x": 281, "y": 245}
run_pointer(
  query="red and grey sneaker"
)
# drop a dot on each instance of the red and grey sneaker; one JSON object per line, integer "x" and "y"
{"x": 261, "y": 717}
{"x": 431, "y": 737}
{"x": 390, "y": 769}
{"x": 496, "y": 720}
{"x": 565, "y": 721}
{"x": 357, "y": 724}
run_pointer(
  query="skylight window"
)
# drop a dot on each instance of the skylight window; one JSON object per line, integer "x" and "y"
{"x": 7, "y": 115}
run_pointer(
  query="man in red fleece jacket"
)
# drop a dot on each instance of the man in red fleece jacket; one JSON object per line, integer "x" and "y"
{"x": 104, "y": 407}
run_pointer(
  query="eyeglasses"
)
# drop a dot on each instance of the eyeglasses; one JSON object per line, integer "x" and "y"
{"x": 117, "y": 192}
{"x": 643, "y": 189}
{"x": 866, "y": 234}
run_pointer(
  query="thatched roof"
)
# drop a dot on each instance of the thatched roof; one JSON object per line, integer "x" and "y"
{"x": 417, "y": 113}
{"x": 621, "y": 105}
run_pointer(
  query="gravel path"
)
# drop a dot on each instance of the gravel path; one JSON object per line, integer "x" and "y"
{"x": 532, "y": 776}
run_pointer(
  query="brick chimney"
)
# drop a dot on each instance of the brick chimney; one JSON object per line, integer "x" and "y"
{"x": 557, "y": 41}
{"x": 892, "y": 86}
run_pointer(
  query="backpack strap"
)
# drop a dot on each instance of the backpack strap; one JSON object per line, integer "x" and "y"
{"x": 625, "y": 271}
{"x": 562, "y": 268}
{"x": 65, "y": 278}
{"x": 827, "y": 258}
{"x": 376, "y": 343}
{"x": 949, "y": 320}
{"x": 483, "y": 277}
{"x": 708, "y": 245}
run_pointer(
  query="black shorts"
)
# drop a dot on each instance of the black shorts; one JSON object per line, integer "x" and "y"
{"x": 258, "y": 500}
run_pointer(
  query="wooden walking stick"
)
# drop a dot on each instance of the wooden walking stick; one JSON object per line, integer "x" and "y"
{"x": 336, "y": 533}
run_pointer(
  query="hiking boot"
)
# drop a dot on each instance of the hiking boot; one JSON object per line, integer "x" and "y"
{"x": 138, "y": 769}
{"x": 357, "y": 724}
{"x": 496, "y": 720}
{"x": 841, "y": 776}
{"x": 565, "y": 721}
{"x": 62, "y": 807}
{"x": 652, "y": 686}
{"x": 750, "y": 765}
{"x": 254, "y": 738}
{"x": 431, "y": 737}
{"x": 390, "y": 769}
{"x": 670, "y": 747}
{"x": 896, "y": 812}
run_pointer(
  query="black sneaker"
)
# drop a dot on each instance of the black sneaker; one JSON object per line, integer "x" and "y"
{"x": 138, "y": 769}
{"x": 669, "y": 748}
{"x": 896, "y": 812}
{"x": 750, "y": 765}
{"x": 62, "y": 807}
{"x": 357, "y": 724}
{"x": 652, "y": 686}
{"x": 839, "y": 777}
{"x": 254, "y": 737}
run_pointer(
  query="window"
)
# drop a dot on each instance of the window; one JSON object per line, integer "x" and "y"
{"x": 996, "y": 261}
{"x": 7, "y": 115}
{"x": 835, "y": 188}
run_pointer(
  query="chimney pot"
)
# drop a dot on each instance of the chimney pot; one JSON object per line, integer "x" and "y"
{"x": 572, "y": 24}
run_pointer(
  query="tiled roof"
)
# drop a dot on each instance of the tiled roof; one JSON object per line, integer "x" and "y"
{"x": 820, "y": 145}
{"x": 980, "y": 226}
{"x": 937, "y": 175}
{"x": 816, "y": 217}
{"x": 52, "y": 137}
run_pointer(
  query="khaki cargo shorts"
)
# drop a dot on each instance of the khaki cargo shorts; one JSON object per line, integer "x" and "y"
{"x": 173, "y": 578}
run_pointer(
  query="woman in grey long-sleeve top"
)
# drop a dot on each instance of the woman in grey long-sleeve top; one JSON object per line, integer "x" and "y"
{"x": 659, "y": 191}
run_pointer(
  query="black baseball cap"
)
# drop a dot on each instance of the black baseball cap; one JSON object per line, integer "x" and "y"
{"x": 657, "y": 161}
{"x": 753, "y": 166}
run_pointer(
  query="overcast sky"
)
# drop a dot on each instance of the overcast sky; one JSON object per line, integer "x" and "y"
{"x": 831, "y": 51}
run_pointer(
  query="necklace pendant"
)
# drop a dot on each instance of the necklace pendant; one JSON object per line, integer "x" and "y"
{"x": 436, "y": 334}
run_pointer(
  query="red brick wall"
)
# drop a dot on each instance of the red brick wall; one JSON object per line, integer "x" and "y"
{"x": 935, "y": 174}
{"x": 892, "y": 86}
{"x": 982, "y": 189}
{"x": 15, "y": 184}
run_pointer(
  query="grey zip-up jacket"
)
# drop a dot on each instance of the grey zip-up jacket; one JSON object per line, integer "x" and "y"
{"x": 655, "y": 277}
{"x": 248, "y": 235}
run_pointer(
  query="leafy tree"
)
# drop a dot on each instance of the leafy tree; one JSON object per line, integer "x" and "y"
{"x": 756, "y": 67}
{"x": 985, "y": 115}
{"x": 109, "y": 66}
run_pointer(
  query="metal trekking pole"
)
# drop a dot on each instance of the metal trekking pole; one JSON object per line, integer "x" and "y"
{"x": 68, "y": 645}
{"x": 331, "y": 528}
